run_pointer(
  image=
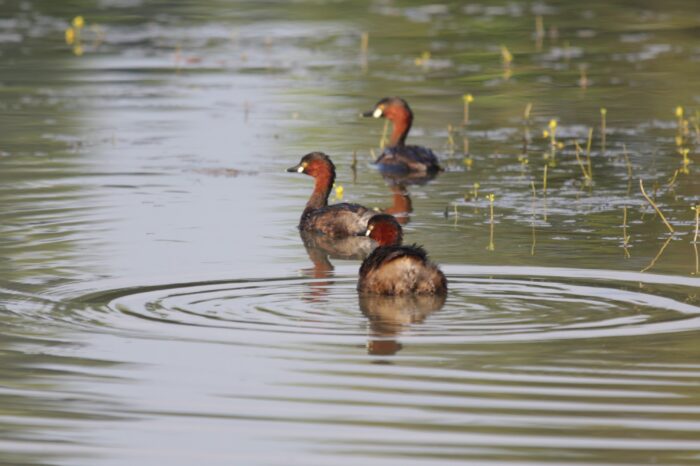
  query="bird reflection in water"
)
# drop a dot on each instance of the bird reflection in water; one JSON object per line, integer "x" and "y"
{"x": 389, "y": 316}
{"x": 321, "y": 248}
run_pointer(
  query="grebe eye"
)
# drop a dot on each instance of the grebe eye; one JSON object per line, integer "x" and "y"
{"x": 377, "y": 112}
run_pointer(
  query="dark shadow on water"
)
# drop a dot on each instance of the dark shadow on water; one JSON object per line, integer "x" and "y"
{"x": 403, "y": 179}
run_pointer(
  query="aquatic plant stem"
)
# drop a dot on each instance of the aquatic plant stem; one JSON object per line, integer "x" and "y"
{"x": 491, "y": 246}
{"x": 450, "y": 139}
{"x": 658, "y": 255}
{"x": 625, "y": 236}
{"x": 382, "y": 142}
{"x": 534, "y": 201}
{"x": 588, "y": 152}
{"x": 580, "y": 163}
{"x": 627, "y": 161}
{"x": 603, "y": 113}
{"x": 544, "y": 181}
{"x": 668, "y": 225}
{"x": 467, "y": 98}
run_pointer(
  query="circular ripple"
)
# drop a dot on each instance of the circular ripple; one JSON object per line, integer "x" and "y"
{"x": 489, "y": 304}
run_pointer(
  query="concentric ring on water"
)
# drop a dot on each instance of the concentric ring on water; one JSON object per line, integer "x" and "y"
{"x": 484, "y": 304}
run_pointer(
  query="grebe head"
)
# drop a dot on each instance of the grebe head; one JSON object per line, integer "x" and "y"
{"x": 315, "y": 164}
{"x": 392, "y": 108}
{"x": 396, "y": 110}
{"x": 385, "y": 230}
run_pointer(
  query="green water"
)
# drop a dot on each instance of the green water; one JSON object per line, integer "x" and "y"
{"x": 157, "y": 304}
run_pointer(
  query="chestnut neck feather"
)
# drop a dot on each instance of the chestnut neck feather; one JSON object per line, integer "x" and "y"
{"x": 401, "y": 120}
{"x": 325, "y": 177}
{"x": 386, "y": 234}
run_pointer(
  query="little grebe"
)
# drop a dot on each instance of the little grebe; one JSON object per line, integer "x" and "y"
{"x": 338, "y": 220}
{"x": 393, "y": 269}
{"x": 397, "y": 156}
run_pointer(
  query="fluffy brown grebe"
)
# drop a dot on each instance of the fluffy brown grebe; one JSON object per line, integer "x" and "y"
{"x": 338, "y": 220}
{"x": 393, "y": 269}
{"x": 397, "y": 156}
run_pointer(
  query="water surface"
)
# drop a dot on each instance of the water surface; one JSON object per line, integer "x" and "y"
{"x": 158, "y": 305}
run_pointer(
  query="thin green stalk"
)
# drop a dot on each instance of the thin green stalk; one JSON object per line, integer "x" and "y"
{"x": 668, "y": 225}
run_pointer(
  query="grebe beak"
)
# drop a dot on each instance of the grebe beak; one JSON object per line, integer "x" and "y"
{"x": 296, "y": 168}
{"x": 376, "y": 113}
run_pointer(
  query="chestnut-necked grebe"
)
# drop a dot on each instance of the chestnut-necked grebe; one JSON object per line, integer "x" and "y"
{"x": 393, "y": 269}
{"x": 397, "y": 156}
{"x": 338, "y": 220}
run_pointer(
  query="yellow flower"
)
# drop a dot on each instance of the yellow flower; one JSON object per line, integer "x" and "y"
{"x": 78, "y": 22}
{"x": 545, "y": 134}
{"x": 468, "y": 98}
{"x": 603, "y": 111}
{"x": 468, "y": 161}
{"x": 552, "y": 124}
{"x": 339, "y": 190}
{"x": 506, "y": 55}
{"x": 423, "y": 60}
{"x": 70, "y": 36}
{"x": 560, "y": 145}
{"x": 491, "y": 197}
{"x": 78, "y": 50}
{"x": 679, "y": 112}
